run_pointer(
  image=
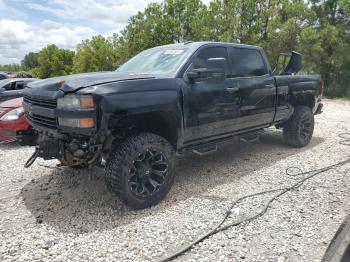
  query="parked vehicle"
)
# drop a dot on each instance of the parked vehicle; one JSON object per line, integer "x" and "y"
{"x": 3, "y": 75}
{"x": 12, "y": 119}
{"x": 167, "y": 101}
{"x": 13, "y": 87}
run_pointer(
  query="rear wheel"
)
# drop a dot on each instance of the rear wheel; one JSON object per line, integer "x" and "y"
{"x": 299, "y": 129}
{"x": 140, "y": 170}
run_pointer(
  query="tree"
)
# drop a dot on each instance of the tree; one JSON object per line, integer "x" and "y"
{"x": 54, "y": 61}
{"x": 145, "y": 30}
{"x": 327, "y": 44}
{"x": 97, "y": 54}
{"x": 160, "y": 24}
{"x": 319, "y": 29}
{"x": 11, "y": 68}
{"x": 30, "y": 61}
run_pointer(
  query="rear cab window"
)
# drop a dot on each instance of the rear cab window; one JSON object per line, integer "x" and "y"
{"x": 247, "y": 62}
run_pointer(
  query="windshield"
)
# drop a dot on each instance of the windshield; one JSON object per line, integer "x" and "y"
{"x": 163, "y": 61}
{"x": 4, "y": 82}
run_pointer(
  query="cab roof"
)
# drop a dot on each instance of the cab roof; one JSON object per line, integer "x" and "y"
{"x": 196, "y": 45}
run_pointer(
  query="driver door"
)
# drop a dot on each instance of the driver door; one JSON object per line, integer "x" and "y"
{"x": 213, "y": 106}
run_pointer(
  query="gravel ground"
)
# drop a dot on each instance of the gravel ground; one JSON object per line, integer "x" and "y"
{"x": 56, "y": 215}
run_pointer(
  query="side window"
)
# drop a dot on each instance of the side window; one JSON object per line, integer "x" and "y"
{"x": 200, "y": 61}
{"x": 19, "y": 85}
{"x": 9, "y": 87}
{"x": 247, "y": 63}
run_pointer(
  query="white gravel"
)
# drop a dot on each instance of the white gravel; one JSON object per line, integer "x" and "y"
{"x": 68, "y": 215}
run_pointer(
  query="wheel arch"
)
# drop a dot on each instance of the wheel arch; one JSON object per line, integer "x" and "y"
{"x": 166, "y": 124}
{"x": 303, "y": 99}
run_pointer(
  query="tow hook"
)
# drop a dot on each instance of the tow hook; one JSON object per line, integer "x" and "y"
{"x": 32, "y": 159}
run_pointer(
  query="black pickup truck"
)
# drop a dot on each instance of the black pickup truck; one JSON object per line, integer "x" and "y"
{"x": 166, "y": 102}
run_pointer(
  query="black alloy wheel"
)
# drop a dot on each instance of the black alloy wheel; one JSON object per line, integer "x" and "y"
{"x": 140, "y": 170}
{"x": 298, "y": 130}
{"x": 148, "y": 173}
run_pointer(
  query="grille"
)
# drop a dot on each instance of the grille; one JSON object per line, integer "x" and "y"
{"x": 52, "y": 103}
{"x": 42, "y": 120}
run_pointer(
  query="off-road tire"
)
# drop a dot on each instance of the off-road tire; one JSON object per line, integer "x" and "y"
{"x": 122, "y": 160}
{"x": 297, "y": 132}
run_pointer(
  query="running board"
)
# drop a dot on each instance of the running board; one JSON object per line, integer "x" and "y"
{"x": 212, "y": 146}
{"x": 249, "y": 139}
{"x": 205, "y": 150}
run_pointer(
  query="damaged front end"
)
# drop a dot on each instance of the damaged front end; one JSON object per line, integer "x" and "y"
{"x": 70, "y": 151}
{"x": 64, "y": 126}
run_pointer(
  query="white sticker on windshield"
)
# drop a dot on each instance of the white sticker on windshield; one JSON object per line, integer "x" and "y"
{"x": 173, "y": 51}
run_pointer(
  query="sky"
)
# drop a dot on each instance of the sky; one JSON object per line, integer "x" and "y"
{"x": 29, "y": 25}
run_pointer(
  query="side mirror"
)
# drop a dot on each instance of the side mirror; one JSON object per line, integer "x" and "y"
{"x": 215, "y": 71}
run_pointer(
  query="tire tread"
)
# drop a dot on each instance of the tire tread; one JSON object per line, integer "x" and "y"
{"x": 120, "y": 160}
{"x": 291, "y": 129}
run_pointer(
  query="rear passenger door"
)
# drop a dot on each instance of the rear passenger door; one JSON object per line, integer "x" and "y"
{"x": 256, "y": 87}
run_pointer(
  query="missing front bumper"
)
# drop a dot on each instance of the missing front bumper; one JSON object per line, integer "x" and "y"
{"x": 26, "y": 137}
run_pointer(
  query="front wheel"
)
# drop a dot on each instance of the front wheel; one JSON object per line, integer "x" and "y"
{"x": 298, "y": 131}
{"x": 140, "y": 170}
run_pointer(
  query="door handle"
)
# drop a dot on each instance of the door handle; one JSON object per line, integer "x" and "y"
{"x": 232, "y": 89}
{"x": 270, "y": 86}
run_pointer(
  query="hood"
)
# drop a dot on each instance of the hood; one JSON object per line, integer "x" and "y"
{"x": 13, "y": 103}
{"x": 72, "y": 83}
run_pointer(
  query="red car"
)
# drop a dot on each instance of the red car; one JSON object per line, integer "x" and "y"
{"x": 12, "y": 119}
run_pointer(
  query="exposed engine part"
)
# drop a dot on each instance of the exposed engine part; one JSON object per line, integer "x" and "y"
{"x": 77, "y": 151}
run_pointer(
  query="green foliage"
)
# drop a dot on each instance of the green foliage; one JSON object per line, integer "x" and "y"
{"x": 10, "y": 68}
{"x": 97, "y": 54}
{"x": 327, "y": 45}
{"x": 320, "y": 30}
{"x": 159, "y": 24}
{"x": 30, "y": 61}
{"x": 54, "y": 61}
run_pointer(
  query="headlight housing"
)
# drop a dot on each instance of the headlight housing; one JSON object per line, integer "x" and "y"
{"x": 86, "y": 122}
{"x": 13, "y": 115}
{"x": 75, "y": 102}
